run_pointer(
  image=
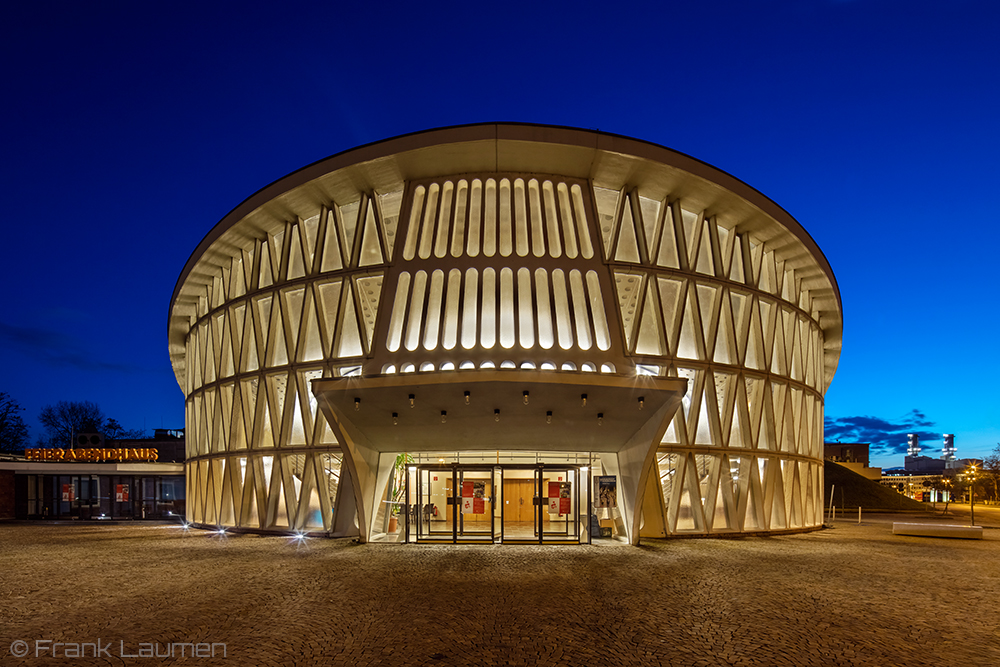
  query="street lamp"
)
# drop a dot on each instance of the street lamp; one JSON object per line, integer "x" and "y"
{"x": 972, "y": 492}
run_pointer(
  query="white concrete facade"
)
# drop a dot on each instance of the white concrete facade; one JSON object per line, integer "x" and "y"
{"x": 489, "y": 259}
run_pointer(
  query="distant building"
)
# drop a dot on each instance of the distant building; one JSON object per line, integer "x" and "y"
{"x": 853, "y": 456}
{"x": 915, "y": 463}
{"x": 846, "y": 452}
{"x": 916, "y": 486}
{"x": 924, "y": 464}
{"x": 919, "y": 474}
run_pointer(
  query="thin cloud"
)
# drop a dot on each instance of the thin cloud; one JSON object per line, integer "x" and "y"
{"x": 887, "y": 437}
{"x": 56, "y": 349}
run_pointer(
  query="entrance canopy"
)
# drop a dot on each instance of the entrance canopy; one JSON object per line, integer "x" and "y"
{"x": 623, "y": 417}
{"x": 440, "y": 417}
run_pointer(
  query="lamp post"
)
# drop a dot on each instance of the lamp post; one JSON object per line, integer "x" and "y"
{"x": 972, "y": 493}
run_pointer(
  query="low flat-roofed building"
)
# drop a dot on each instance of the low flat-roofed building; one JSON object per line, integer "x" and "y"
{"x": 126, "y": 479}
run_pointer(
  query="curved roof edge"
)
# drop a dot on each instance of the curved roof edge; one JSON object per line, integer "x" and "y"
{"x": 594, "y": 141}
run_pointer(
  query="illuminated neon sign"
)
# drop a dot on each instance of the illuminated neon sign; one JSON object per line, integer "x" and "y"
{"x": 92, "y": 455}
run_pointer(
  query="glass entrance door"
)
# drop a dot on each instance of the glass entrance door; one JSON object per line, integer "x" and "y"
{"x": 560, "y": 504}
{"x": 475, "y": 502}
{"x": 520, "y": 505}
{"x": 527, "y": 503}
{"x": 435, "y": 491}
{"x": 455, "y": 503}
{"x": 543, "y": 504}
{"x": 498, "y": 505}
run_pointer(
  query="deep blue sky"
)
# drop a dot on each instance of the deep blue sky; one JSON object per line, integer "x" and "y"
{"x": 131, "y": 128}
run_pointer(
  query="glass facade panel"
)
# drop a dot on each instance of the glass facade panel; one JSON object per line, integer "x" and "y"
{"x": 104, "y": 497}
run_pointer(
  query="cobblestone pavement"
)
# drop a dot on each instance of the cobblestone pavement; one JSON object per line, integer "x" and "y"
{"x": 986, "y": 515}
{"x": 851, "y": 595}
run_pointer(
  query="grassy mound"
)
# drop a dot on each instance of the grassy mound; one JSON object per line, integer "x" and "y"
{"x": 852, "y": 490}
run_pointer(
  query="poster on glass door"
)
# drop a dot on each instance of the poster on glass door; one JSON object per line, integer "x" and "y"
{"x": 474, "y": 497}
{"x": 553, "y": 496}
{"x": 559, "y": 497}
{"x": 564, "y": 490}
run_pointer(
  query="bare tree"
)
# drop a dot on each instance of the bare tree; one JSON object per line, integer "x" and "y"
{"x": 115, "y": 431}
{"x": 13, "y": 430}
{"x": 67, "y": 418}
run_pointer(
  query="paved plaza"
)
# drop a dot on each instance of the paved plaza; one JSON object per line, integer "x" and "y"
{"x": 850, "y": 595}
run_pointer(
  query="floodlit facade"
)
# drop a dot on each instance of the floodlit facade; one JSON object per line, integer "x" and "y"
{"x": 504, "y": 333}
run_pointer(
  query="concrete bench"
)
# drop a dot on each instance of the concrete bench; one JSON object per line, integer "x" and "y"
{"x": 938, "y": 530}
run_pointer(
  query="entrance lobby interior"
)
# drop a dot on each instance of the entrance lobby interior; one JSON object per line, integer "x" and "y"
{"x": 512, "y": 503}
{"x": 493, "y": 498}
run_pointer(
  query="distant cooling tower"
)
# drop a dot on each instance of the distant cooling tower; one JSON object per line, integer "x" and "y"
{"x": 948, "y": 451}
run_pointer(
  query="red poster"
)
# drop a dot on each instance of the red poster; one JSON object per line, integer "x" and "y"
{"x": 553, "y": 489}
{"x": 468, "y": 489}
{"x": 67, "y": 493}
{"x": 121, "y": 493}
{"x": 564, "y": 505}
{"x": 479, "y": 506}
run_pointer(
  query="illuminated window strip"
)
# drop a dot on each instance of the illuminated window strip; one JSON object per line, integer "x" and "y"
{"x": 511, "y": 311}
{"x": 507, "y": 219}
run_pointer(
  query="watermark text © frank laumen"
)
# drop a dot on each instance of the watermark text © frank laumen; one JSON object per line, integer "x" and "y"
{"x": 48, "y": 648}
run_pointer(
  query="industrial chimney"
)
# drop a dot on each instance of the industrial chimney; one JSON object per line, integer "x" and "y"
{"x": 948, "y": 451}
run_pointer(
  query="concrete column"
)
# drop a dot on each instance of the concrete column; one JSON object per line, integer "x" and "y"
{"x": 361, "y": 460}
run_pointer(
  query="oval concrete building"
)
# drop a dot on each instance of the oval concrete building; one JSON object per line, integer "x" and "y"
{"x": 506, "y": 333}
